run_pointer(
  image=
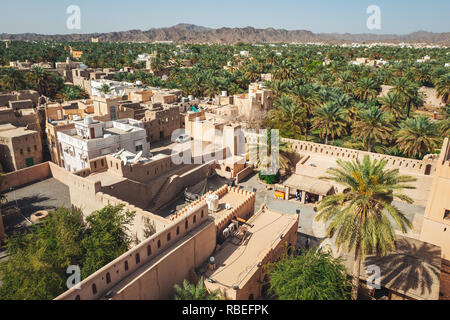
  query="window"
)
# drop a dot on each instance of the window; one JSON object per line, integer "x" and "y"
{"x": 168, "y": 236}
{"x": 108, "y": 277}
{"x": 186, "y": 224}
{"x": 447, "y": 214}
{"x": 21, "y": 151}
{"x": 35, "y": 148}
{"x": 159, "y": 244}
{"x": 103, "y": 163}
{"x": 28, "y": 149}
{"x": 195, "y": 219}
{"x": 202, "y": 214}
{"x": 139, "y": 147}
{"x": 178, "y": 230}
{"x": 95, "y": 164}
{"x": 149, "y": 251}
{"x": 94, "y": 288}
{"x": 126, "y": 265}
{"x": 77, "y": 297}
{"x": 138, "y": 258}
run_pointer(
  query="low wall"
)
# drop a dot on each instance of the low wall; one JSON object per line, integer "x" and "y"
{"x": 244, "y": 173}
{"x": 26, "y": 176}
{"x": 427, "y": 167}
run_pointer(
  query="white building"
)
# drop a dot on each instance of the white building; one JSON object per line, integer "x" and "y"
{"x": 91, "y": 139}
{"x": 117, "y": 88}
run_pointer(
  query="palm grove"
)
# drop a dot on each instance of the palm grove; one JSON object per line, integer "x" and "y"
{"x": 337, "y": 104}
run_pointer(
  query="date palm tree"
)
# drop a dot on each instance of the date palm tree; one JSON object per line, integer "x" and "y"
{"x": 12, "y": 79}
{"x": 288, "y": 116}
{"x": 285, "y": 70}
{"x": 308, "y": 100}
{"x": 40, "y": 79}
{"x": 372, "y": 126}
{"x": 391, "y": 104}
{"x": 265, "y": 160}
{"x": 417, "y": 136}
{"x": 195, "y": 292}
{"x": 444, "y": 125}
{"x": 408, "y": 93}
{"x": 359, "y": 218}
{"x": 443, "y": 88}
{"x": 366, "y": 88}
{"x": 105, "y": 89}
{"x": 330, "y": 121}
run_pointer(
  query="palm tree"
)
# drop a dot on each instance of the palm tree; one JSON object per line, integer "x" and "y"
{"x": 330, "y": 120}
{"x": 443, "y": 88}
{"x": 263, "y": 160}
{"x": 12, "y": 79}
{"x": 359, "y": 218}
{"x": 444, "y": 125}
{"x": 408, "y": 93}
{"x": 285, "y": 71}
{"x": 288, "y": 116}
{"x": 40, "y": 79}
{"x": 417, "y": 136}
{"x": 195, "y": 292}
{"x": 372, "y": 126}
{"x": 366, "y": 88}
{"x": 308, "y": 100}
{"x": 391, "y": 105}
{"x": 105, "y": 88}
{"x": 252, "y": 73}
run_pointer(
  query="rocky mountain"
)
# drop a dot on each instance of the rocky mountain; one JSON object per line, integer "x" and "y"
{"x": 196, "y": 34}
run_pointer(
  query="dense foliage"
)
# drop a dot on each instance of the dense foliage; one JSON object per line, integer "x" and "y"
{"x": 38, "y": 260}
{"x": 314, "y": 275}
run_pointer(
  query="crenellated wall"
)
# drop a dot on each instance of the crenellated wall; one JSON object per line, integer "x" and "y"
{"x": 426, "y": 167}
{"x": 152, "y": 254}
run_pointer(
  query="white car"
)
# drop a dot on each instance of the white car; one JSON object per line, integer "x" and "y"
{"x": 183, "y": 138}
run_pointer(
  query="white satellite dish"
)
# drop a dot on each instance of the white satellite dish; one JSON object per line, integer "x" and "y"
{"x": 124, "y": 159}
{"x": 138, "y": 156}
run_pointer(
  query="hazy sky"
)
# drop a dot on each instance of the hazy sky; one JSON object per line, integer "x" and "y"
{"x": 397, "y": 16}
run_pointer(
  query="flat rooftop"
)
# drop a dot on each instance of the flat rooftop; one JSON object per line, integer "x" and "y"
{"x": 16, "y": 132}
{"x": 235, "y": 262}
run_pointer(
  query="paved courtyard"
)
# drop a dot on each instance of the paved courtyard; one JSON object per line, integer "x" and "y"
{"x": 48, "y": 194}
{"x": 308, "y": 227}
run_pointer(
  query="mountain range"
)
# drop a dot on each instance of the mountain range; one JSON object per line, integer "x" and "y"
{"x": 189, "y": 33}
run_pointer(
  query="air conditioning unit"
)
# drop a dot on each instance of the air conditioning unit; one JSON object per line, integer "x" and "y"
{"x": 231, "y": 227}
{"x": 226, "y": 233}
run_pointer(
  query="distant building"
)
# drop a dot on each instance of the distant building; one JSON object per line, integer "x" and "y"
{"x": 256, "y": 103}
{"x": 19, "y": 147}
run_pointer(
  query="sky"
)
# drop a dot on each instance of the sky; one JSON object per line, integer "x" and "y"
{"x": 319, "y": 16}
